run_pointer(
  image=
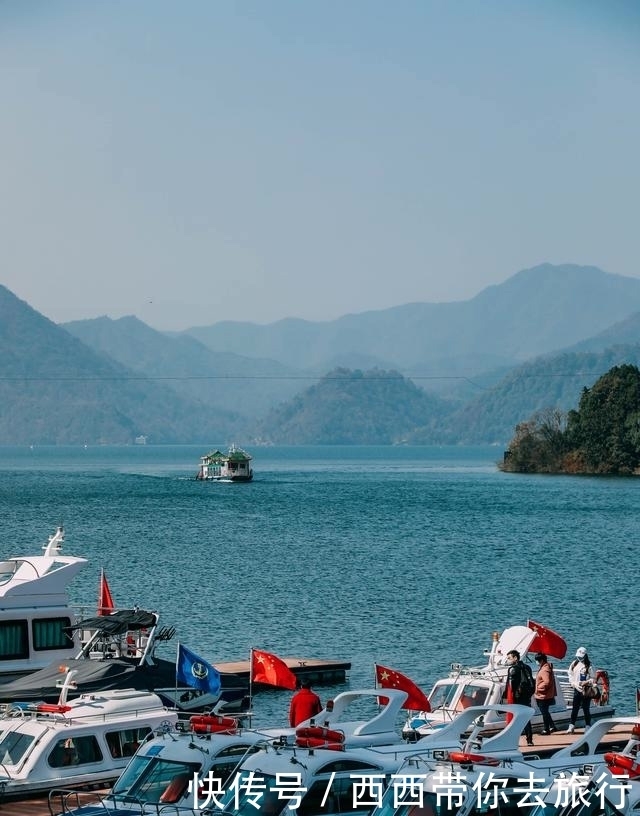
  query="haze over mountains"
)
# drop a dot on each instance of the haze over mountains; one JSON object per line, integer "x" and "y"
{"x": 463, "y": 372}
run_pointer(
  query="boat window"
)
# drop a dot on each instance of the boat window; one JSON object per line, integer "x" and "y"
{"x": 127, "y": 741}
{"x": 148, "y": 778}
{"x": 442, "y": 694}
{"x": 77, "y": 750}
{"x": 14, "y": 640}
{"x": 414, "y": 802}
{"x": 241, "y": 797}
{"x": 13, "y": 746}
{"x": 339, "y": 798}
{"x": 7, "y": 570}
{"x": 473, "y": 695}
{"x": 341, "y": 765}
{"x": 52, "y": 633}
{"x": 227, "y": 762}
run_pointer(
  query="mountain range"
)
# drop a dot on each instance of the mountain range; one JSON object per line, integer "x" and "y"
{"x": 462, "y": 372}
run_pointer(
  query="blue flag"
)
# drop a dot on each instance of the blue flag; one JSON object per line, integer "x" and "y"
{"x": 195, "y": 672}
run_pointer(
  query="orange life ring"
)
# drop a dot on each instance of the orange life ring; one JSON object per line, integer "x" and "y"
{"x": 320, "y": 732}
{"x": 316, "y": 742}
{"x": 52, "y": 708}
{"x": 213, "y": 724}
{"x": 622, "y": 764}
{"x": 470, "y": 759}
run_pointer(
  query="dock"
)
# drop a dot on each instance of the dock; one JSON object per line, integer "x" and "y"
{"x": 544, "y": 745}
{"x": 316, "y": 671}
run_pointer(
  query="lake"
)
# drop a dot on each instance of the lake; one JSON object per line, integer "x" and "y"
{"x": 406, "y": 556}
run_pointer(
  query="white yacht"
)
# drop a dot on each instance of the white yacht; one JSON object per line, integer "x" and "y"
{"x": 35, "y": 615}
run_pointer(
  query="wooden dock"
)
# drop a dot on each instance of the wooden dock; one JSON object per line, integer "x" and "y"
{"x": 318, "y": 672}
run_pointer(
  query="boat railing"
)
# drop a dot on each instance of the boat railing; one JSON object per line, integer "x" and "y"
{"x": 65, "y": 800}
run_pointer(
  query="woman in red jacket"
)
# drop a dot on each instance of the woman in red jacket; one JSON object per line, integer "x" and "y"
{"x": 545, "y": 693}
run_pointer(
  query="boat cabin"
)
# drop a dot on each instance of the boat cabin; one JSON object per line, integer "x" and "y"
{"x": 234, "y": 466}
{"x": 81, "y": 742}
{"x": 35, "y": 615}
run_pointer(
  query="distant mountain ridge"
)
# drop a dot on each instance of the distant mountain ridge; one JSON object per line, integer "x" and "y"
{"x": 109, "y": 381}
{"x": 56, "y": 390}
{"x": 224, "y": 381}
{"x": 534, "y": 312}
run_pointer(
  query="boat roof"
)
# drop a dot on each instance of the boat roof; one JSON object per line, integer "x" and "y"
{"x": 39, "y": 580}
{"x": 88, "y": 709}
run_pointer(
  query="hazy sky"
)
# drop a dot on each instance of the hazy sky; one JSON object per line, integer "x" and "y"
{"x": 199, "y": 160}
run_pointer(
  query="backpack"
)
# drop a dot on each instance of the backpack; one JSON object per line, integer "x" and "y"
{"x": 527, "y": 683}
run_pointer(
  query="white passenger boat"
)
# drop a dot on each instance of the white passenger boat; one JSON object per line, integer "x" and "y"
{"x": 79, "y": 742}
{"x": 35, "y": 615}
{"x": 477, "y": 685}
{"x": 233, "y": 466}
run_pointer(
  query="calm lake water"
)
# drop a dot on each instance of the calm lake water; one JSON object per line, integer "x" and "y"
{"x": 410, "y": 557}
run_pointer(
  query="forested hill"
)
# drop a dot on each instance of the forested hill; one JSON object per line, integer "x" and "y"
{"x": 354, "y": 408}
{"x": 55, "y": 390}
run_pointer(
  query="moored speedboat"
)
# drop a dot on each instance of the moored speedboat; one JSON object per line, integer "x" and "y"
{"x": 79, "y": 742}
{"x": 475, "y": 782}
{"x": 334, "y": 774}
{"x": 476, "y": 685}
{"x": 120, "y": 653}
{"x": 207, "y": 755}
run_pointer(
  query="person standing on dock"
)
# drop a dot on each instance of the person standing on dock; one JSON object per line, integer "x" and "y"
{"x": 545, "y": 693}
{"x": 580, "y": 673}
{"x": 520, "y": 686}
{"x": 305, "y": 704}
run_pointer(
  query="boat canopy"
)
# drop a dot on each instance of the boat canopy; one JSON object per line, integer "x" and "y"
{"x": 119, "y": 623}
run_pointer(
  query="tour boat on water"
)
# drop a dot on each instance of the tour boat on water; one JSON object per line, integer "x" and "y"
{"x": 476, "y": 685}
{"x": 233, "y": 466}
{"x": 35, "y": 615}
{"x": 79, "y": 742}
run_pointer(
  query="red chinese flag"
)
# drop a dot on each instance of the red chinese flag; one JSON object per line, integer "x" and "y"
{"x": 509, "y": 699}
{"x": 105, "y": 599}
{"x": 269, "y": 669}
{"x": 390, "y": 678}
{"x": 547, "y": 641}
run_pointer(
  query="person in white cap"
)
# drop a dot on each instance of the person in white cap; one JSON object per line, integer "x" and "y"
{"x": 580, "y": 674}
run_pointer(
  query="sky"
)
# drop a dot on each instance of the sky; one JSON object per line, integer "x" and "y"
{"x": 202, "y": 160}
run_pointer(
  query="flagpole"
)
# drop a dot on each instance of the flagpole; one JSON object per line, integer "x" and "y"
{"x": 250, "y": 684}
{"x": 175, "y": 699}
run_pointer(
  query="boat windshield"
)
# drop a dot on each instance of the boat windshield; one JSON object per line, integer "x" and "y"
{"x": 13, "y": 746}
{"x": 152, "y": 780}
{"x": 422, "y": 804}
{"x": 473, "y": 695}
{"x": 442, "y": 695}
{"x": 588, "y": 804}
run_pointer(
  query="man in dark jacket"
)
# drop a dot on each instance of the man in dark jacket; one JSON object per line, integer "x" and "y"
{"x": 519, "y": 687}
{"x": 305, "y": 704}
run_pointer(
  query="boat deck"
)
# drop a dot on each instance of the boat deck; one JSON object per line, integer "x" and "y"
{"x": 543, "y": 747}
{"x": 317, "y": 671}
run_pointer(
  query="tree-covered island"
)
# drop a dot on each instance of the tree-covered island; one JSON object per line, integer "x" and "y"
{"x": 601, "y": 437}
